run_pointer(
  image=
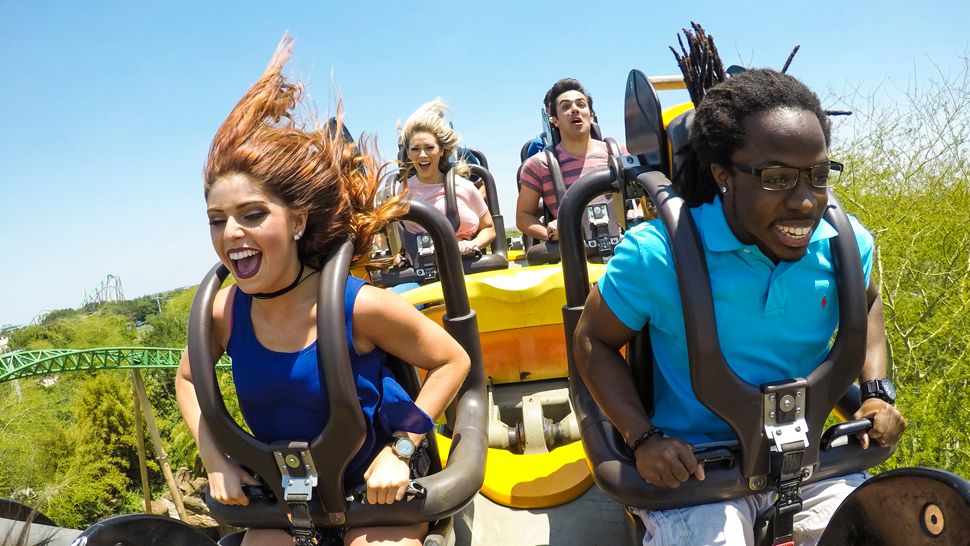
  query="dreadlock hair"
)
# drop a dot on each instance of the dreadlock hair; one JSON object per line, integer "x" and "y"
{"x": 718, "y": 131}
{"x": 307, "y": 167}
{"x": 722, "y": 104}
{"x": 699, "y": 62}
{"x": 560, "y": 87}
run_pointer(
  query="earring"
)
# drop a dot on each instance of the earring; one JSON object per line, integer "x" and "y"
{"x": 297, "y": 235}
{"x": 723, "y": 189}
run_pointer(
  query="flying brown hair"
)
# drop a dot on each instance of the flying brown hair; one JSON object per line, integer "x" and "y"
{"x": 308, "y": 167}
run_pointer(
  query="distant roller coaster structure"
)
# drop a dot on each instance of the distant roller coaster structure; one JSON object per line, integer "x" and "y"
{"x": 109, "y": 289}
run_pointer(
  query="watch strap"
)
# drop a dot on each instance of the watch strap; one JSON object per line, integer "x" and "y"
{"x": 875, "y": 388}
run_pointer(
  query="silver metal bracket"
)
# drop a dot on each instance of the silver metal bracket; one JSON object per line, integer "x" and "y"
{"x": 597, "y": 214}
{"x": 784, "y": 415}
{"x": 630, "y": 160}
{"x": 299, "y": 474}
{"x": 425, "y": 245}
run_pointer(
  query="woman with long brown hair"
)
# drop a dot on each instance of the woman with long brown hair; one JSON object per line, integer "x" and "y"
{"x": 280, "y": 194}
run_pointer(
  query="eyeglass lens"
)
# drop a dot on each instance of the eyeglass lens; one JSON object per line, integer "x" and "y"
{"x": 785, "y": 178}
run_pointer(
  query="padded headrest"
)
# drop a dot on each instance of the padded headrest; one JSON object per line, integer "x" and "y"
{"x": 678, "y": 135}
{"x": 530, "y": 148}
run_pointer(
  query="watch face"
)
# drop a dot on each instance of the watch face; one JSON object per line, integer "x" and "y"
{"x": 404, "y": 447}
{"x": 887, "y": 386}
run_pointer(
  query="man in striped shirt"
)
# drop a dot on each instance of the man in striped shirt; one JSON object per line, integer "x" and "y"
{"x": 570, "y": 111}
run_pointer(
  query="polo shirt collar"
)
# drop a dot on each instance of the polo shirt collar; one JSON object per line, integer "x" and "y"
{"x": 718, "y": 237}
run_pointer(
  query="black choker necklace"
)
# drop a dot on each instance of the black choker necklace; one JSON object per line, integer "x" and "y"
{"x": 282, "y": 291}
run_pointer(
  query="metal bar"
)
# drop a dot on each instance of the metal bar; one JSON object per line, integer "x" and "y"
{"x": 667, "y": 83}
{"x": 140, "y": 437}
{"x": 146, "y": 408}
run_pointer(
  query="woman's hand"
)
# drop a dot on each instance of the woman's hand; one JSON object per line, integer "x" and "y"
{"x": 467, "y": 248}
{"x": 225, "y": 484}
{"x": 387, "y": 478}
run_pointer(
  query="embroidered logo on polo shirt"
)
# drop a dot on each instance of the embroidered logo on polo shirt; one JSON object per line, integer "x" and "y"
{"x": 824, "y": 301}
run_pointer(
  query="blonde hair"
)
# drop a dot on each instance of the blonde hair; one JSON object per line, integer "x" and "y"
{"x": 430, "y": 118}
{"x": 314, "y": 169}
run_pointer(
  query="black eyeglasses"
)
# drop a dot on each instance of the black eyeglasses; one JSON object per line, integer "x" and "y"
{"x": 777, "y": 178}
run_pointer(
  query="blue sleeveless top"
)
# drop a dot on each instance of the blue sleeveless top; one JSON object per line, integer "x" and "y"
{"x": 283, "y": 397}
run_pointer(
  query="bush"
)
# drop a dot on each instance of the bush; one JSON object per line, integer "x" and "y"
{"x": 908, "y": 181}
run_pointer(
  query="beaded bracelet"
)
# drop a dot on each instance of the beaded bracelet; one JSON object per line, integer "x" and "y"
{"x": 655, "y": 431}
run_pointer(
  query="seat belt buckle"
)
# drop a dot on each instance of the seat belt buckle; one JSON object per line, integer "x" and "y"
{"x": 305, "y": 537}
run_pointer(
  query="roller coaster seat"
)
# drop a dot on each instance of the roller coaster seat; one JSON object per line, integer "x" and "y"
{"x": 678, "y": 133}
{"x": 903, "y": 507}
{"x": 605, "y": 218}
{"x": 304, "y": 480}
{"x": 419, "y": 251}
{"x": 749, "y": 466}
{"x": 531, "y": 148}
{"x": 418, "y": 248}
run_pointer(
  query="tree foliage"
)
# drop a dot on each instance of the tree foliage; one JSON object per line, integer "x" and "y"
{"x": 88, "y": 479}
{"x": 66, "y": 448}
{"x": 137, "y": 310}
{"x": 169, "y": 328}
{"x": 908, "y": 181}
{"x": 100, "y": 329}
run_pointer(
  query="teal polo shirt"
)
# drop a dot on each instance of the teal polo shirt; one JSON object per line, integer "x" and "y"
{"x": 774, "y": 321}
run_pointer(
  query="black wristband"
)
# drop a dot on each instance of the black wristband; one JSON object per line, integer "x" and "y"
{"x": 655, "y": 431}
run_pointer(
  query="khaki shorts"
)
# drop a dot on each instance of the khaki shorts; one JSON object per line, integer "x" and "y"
{"x": 731, "y": 523}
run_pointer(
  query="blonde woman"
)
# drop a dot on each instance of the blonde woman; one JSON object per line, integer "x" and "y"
{"x": 429, "y": 141}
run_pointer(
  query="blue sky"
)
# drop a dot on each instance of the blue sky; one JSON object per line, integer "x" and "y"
{"x": 108, "y": 108}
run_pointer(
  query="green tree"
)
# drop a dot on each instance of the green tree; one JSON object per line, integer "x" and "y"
{"x": 64, "y": 445}
{"x": 77, "y": 332}
{"x": 137, "y": 310}
{"x": 908, "y": 181}
{"x": 170, "y": 327}
{"x": 31, "y": 337}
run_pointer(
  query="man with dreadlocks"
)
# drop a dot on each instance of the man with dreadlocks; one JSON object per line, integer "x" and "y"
{"x": 756, "y": 181}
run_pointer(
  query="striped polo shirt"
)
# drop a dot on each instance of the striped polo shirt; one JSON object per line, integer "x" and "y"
{"x": 535, "y": 172}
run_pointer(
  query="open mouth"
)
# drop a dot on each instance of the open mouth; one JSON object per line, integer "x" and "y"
{"x": 245, "y": 262}
{"x": 793, "y": 235}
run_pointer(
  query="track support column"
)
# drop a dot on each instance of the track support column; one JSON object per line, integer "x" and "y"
{"x": 157, "y": 442}
{"x": 140, "y": 437}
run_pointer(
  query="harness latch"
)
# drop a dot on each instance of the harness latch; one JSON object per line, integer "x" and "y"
{"x": 784, "y": 415}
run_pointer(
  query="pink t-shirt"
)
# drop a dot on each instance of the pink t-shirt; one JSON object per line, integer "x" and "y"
{"x": 535, "y": 172}
{"x": 471, "y": 205}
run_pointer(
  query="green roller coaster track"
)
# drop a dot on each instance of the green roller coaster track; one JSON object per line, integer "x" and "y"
{"x": 21, "y": 364}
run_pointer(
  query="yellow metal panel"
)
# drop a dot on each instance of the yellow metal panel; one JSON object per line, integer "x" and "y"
{"x": 532, "y": 481}
{"x": 509, "y": 299}
{"x": 670, "y": 113}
